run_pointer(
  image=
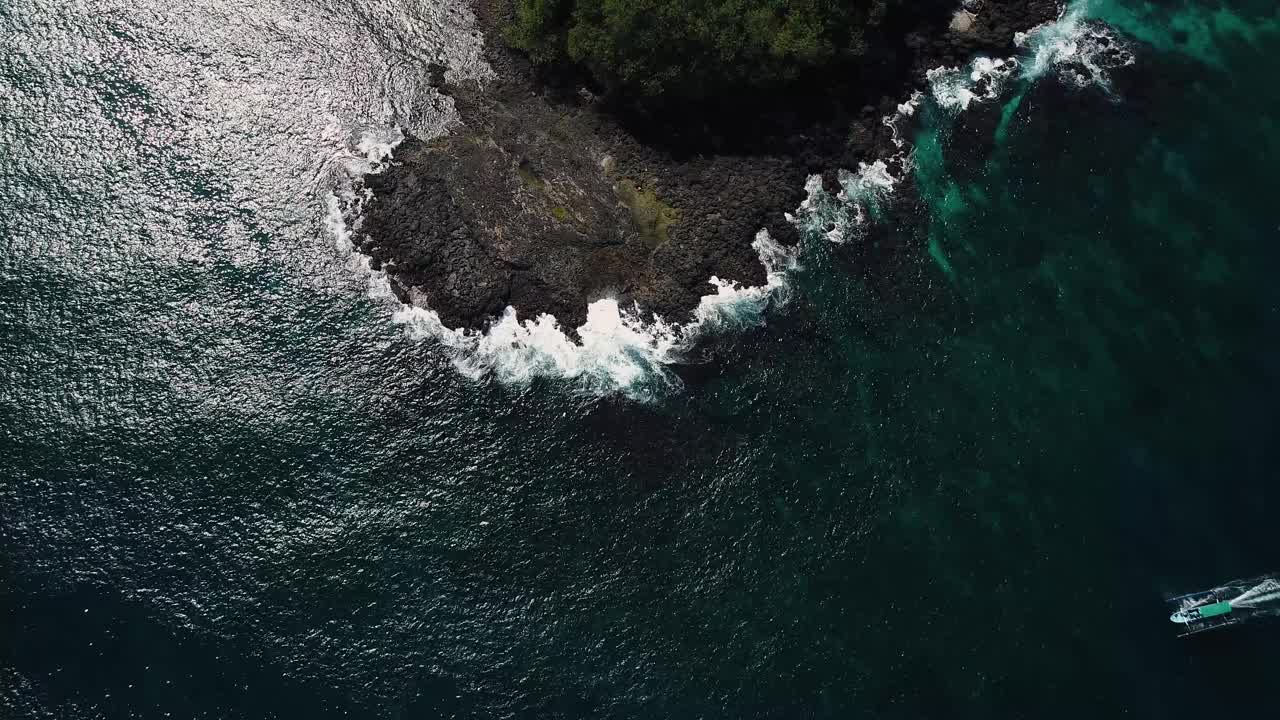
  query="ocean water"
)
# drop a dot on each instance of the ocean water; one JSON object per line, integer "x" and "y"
{"x": 947, "y": 470}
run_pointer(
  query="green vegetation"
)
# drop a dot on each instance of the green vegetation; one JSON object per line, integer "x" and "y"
{"x": 652, "y": 216}
{"x": 530, "y": 178}
{"x": 693, "y": 48}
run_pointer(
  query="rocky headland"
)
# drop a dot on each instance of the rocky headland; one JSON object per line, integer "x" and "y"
{"x": 549, "y": 195}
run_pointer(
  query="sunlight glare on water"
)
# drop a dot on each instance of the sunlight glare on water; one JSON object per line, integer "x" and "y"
{"x": 232, "y": 484}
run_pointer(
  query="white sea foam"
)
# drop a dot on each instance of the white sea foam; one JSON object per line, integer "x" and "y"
{"x": 615, "y": 350}
{"x": 866, "y": 190}
{"x": 955, "y": 89}
{"x": 1081, "y": 51}
{"x": 844, "y": 216}
{"x": 372, "y": 152}
{"x": 906, "y": 110}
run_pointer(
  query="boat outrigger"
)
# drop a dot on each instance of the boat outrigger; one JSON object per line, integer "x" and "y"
{"x": 1229, "y": 604}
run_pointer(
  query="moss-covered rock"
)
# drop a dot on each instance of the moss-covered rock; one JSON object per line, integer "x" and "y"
{"x": 652, "y": 216}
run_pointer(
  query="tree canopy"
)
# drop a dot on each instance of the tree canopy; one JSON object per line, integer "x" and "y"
{"x": 693, "y": 48}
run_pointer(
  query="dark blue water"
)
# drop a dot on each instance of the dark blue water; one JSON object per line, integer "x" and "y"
{"x": 954, "y": 476}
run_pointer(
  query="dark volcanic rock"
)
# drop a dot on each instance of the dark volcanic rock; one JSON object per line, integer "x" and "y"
{"x": 546, "y": 199}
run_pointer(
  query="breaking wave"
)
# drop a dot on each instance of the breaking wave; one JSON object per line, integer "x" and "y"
{"x": 617, "y": 351}
{"x": 863, "y": 194}
{"x": 955, "y": 89}
{"x": 1082, "y": 52}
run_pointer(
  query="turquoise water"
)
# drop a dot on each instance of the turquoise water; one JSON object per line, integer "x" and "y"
{"x": 954, "y": 476}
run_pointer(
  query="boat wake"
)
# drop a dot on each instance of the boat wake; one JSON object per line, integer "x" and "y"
{"x": 1266, "y": 592}
{"x": 1229, "y": 604}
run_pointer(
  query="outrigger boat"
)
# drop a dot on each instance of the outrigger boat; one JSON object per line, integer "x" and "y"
{"x": 1229, "y": 604}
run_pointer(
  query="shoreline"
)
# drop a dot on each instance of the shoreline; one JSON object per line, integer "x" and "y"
{"x": 546, "y": 197}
